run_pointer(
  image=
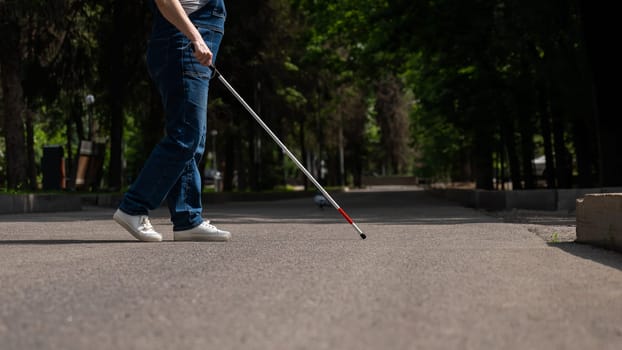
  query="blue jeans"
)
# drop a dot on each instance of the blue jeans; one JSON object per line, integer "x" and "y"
{"x": 172, "y": 170}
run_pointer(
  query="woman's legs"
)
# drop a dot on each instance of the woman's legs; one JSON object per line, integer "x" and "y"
{"x": 171, "y": 171}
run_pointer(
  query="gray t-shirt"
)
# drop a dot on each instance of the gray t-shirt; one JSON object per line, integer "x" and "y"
{"x": 192, "y": 5}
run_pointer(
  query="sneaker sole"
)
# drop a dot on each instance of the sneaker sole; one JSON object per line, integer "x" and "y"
{"x": 199, "y": 237}
{"x": 136, "y": 235}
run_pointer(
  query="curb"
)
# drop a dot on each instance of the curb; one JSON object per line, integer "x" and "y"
{"x": 59, "y": 202}
{"x": 543, "y": 199}
{"x": 38, "y": 203}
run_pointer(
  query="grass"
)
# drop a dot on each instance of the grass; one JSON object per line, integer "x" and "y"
{"x": 554, "y": 238}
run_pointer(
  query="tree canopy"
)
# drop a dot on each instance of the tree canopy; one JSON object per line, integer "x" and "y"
{"x": 445, "y": 90}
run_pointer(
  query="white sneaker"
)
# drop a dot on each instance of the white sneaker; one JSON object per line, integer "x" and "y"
{"x": 203, "y": 232}
{"x": 138, "y": 225}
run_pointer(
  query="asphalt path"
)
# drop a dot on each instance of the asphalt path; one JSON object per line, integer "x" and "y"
{"x": 430, "y": 275}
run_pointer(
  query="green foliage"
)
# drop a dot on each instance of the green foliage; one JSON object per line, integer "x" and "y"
{"x": 437, "y": 145}
{"x": 294, "y": 98}
{"x": 554, "y": 238}
{"x": 455, "y": 87}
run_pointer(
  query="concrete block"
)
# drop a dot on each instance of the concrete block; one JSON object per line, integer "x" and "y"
{"x": 531, "y": 199}
{"x": 490, "y": 200}
{"x": 20, "y": 204}
{"x": 466, "y": 198}
{"x": 89, "y": 199}
{"x": 599, "y": 220}
{"x": 109, "y": 200}
{"x": 437, "y": 192}
{"x": 6, "y": 204}
{"x": 39, "y": 203}
{"x": 36, "y": 203}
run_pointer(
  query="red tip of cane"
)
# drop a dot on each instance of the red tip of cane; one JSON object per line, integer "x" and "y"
{"x": 343, "y": 213}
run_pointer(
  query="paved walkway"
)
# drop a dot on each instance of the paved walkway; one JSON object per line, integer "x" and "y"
{"x": 431, "y": 275}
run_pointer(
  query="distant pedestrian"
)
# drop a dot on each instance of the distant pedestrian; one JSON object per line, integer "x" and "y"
{"x": 185, "y": 38}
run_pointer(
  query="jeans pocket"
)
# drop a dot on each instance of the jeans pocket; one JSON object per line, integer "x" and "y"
{"x": 192, "y": 67}
{"x": 219, "y": 12}
{"x": 195, "y": 78}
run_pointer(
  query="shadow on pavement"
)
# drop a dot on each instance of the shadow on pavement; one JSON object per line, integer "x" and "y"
{"x": 390, "y": 208}
{"x": 545, "y": 218}
{"x": 602, "y": 256}
{"x": 61, "y": 241}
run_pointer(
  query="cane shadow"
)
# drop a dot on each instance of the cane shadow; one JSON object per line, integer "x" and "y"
{"x": 597, "y": 254}
{"x": 46, "y": 242}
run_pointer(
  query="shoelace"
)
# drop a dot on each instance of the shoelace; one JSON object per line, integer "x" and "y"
{"x": 208, "y": 225}
{"x": 145, "y": 223}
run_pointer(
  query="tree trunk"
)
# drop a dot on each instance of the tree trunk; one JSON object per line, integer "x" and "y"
{"x": 600, "y": 27}
{"x": 583, "y": 152}
{"x": 510, "y": 146}
{"x": 30, "y": 149}
{"x": 14, "y": 132}
{"x": 69, "y": 159}
{"x": 545, "y": 126}
{"x": 253, "y": 154}
{"x": 303, "y": 150}
{"x": 255, "y": 144}
{"x": 392, "y": 117}
{"x": 229, "y": 162}
{"x": 117, "y": 94}
{"x": 483, "y": 159}
{"x": 241, "y": 165}
{"x": 526, "y": 111}
{"x": 528, "y": 153}
{"x": 563, "y": 160}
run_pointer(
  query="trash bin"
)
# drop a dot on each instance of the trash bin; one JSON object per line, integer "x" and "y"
{"x": 53, "y": 168}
